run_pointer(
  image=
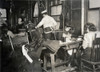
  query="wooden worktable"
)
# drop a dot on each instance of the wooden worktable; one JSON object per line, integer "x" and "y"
{"x": 71, "y": 45}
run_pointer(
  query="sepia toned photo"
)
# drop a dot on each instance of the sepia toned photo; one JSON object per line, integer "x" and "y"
{"x": 50, "y": 35}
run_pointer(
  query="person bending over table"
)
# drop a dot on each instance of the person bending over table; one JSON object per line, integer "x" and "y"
{"x": 49, "y": 24}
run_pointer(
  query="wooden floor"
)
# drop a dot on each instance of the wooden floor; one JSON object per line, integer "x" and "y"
{"x": 67, "y": 69}
{"x": 16, "y": 63}
{"x": 63, "y": 69}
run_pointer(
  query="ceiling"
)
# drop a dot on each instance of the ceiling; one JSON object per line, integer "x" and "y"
{"x": 15, "y": 3}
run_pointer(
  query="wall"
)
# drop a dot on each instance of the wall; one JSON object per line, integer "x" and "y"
{"x": 3, "y": 11}
{"x": 94, "y": 13}
{"x": 93, "y": 17}
{"x": 94, "y": 3}
{"x": 55, "y": 10}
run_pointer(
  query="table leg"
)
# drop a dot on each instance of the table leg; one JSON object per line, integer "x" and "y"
{"x": 52, "y": 56}
{"x": 45, "y": 62}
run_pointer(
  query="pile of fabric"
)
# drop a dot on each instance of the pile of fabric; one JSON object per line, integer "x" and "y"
{"x": 32, "y": 52}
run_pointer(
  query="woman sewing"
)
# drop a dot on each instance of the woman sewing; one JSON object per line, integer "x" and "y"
{"x": 88, "y": 40}
{"x": 67, "y": 35}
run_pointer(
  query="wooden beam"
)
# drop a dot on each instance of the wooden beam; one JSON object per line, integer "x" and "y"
{"x": 52, "y": 56}
{"x": 82, "y": 17}
{"x": 99, "y": 19}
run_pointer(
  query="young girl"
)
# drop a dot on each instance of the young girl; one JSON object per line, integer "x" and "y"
{"x": 67, "y": 34}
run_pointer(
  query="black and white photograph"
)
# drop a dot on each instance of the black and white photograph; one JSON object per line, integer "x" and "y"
{"x": 50, "y": 35}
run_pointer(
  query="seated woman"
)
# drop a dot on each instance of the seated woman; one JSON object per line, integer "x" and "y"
{"x": 88, "y": 40}
{"x": 67, "y": 35}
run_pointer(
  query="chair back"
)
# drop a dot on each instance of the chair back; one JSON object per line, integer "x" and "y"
{"x": 36, "y": 34}
{"x": 36, "y": 38}
{"x": 20, "y": 40}
{"x": 74, "y": 45}
{"x": 96, "y": 46}
{"x": 95, "y": 51}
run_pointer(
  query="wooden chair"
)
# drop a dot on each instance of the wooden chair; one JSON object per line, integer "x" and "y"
{"x": 94, "y": 66}
{"x": 35, "y": 33}
{"x": 17, "y": 42}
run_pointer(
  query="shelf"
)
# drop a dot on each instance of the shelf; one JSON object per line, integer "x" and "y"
{"x": 58, "y": 64}
{"x": 55, "y": 5}
{"x": 55, "y": 15}
{"x": 76, "y": 9}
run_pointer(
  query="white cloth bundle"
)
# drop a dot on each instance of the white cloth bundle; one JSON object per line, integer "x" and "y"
{"x": 10, "y": 33}
{"x": 24, "y": 51}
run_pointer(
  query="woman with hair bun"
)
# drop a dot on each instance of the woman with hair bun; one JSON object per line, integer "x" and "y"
{"x": 88, "y": 40}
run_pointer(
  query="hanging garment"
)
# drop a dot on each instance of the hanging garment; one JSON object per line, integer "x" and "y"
{"x": 36, "y": 10}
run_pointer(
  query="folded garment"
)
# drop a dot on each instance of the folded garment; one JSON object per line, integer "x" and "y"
{"x": 48, "y": 30}
{"x": 53, "y": 45}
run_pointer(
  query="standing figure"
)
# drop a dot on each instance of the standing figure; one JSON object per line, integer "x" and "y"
{"x": 49, "y": 24}
{"x": 22, "y": 20}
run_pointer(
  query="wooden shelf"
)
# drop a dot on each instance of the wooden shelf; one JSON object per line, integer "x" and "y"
{"x": 55, "y": 15}
{"x": 75, "y": 8}
{"x": 59, "y": 64}
{"x": 55, "y": 5}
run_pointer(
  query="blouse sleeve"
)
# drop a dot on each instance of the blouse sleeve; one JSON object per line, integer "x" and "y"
{"x": 41, "y": 23}
{"x": 54, "y": 24}
{"x": 85, "y": 41}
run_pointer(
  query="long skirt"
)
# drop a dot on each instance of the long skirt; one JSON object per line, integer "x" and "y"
{"x": 89, "y": 54}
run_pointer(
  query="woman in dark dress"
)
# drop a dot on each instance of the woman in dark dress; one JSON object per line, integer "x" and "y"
{"x": 89, "y": 37}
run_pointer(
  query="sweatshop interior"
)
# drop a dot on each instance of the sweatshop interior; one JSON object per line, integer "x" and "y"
{"x": 49, "y": 35}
